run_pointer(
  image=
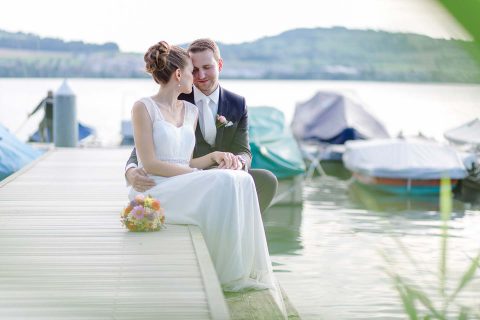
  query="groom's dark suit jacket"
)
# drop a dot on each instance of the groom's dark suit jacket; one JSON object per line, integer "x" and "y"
{"x": 232, "y": 139}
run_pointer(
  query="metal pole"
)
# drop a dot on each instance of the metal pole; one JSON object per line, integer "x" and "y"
{"x": 65, "y": 125}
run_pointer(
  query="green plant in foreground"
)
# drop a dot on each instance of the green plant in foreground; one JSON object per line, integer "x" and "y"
{"x": 416, "y": 303}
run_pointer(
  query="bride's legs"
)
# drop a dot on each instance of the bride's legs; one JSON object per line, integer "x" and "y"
{"x": 234, "y": 232}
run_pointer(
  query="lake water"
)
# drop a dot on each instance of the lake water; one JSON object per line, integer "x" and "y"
{"x": 327, "y": 253}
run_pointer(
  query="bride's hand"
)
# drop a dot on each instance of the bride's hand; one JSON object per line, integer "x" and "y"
{"x": 223, "y": 159}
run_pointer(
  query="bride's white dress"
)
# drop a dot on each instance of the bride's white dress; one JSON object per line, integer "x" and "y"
{"x": 222, "y": 203}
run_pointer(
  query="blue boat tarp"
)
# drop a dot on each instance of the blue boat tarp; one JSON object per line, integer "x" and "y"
{"x": 83, "y": 132}
{"x": 14, "y": 154}
{"x": 403, "y": 159}
{"x": 331, "y": 117}
{"x": 273, "y": 145}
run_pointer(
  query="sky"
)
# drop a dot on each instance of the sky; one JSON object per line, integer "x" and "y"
{"x": 136, "y": 24}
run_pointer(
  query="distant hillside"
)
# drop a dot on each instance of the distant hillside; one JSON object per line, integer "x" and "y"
{"x": 28, "y": 41}
{"x": 321, "y": 53}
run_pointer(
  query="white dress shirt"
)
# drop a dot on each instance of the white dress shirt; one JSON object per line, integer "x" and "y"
{"x": 214, "y": 97}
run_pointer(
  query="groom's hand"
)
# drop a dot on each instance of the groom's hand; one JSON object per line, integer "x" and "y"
{"x": 139, "y": 179}
{"x": 233, "y": 164}
{"x": 227, "y": 161}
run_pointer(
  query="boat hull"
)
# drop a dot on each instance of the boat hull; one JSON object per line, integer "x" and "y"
{"x": 401, "y": 186}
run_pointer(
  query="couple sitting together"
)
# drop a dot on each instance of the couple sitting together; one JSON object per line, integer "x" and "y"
{"x": 178, "y": 136}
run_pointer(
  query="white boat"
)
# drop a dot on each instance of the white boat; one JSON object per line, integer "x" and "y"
{"x": 403, "y": 166}
{"x": 465, "y": 134}
{"x": 466, "y": 138}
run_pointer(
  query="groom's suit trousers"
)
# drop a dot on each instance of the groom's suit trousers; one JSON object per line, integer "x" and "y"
{"x": 266, "y": 184}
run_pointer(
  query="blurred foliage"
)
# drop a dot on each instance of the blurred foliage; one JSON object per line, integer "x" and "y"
{"x": 321, "y": 53}
{"x": 467, "y": 13}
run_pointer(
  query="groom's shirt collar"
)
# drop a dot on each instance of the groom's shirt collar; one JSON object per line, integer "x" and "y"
{"x": 214, "y": 96}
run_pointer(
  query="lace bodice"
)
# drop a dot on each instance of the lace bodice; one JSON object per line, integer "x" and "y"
{"x": 172, "y": 144}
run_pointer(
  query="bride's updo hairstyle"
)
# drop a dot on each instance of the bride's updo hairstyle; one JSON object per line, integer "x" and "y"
{"x": 161, "y": 60}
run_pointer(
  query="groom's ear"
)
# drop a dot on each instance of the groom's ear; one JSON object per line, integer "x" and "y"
{"x": 220, "y": 64}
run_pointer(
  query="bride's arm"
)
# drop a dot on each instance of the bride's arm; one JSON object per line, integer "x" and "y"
{"x": 208, "y": 160}
{"x": 143, "y": 135}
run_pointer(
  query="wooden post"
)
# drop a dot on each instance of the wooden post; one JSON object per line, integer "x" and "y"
{"x": 65, "y": 125}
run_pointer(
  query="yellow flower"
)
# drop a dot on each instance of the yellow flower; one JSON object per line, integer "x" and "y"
{"x": 147, "y": 202}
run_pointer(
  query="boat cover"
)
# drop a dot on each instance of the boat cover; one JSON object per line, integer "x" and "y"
{"x": 273, "y": 145}
{"x": 83, "y": 132}
{"x": 403, "y": 158}
{"x": 468, "y": 133}
{"x": 334, "y": 118}
{"x": 14, "y": 154}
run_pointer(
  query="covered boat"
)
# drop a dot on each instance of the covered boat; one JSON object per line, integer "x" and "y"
{"x": 468, "y": 133}
{"x": 274, "y": 148}
{"x": 403, "y": 166}
{"x": 332, "y": 117}
{"x": 83, "y": 132}
{"x": 14, "y": 154}
{"x": 467, "y": 137}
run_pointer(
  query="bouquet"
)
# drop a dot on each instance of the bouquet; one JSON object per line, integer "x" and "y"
{"x": 143, "y": 214}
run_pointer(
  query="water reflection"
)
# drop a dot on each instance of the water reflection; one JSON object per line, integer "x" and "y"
{"x": 326, "y": 252}
{"x": 412, "y": 205}
{"x": 282, "y": 224}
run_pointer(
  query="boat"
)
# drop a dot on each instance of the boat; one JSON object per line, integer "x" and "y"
{"x": 466, "y": 138}
{"x": 14, "y": 154}
{"x": 465, "y": 134}
{"x": 83, "y": 133}
{"x": 403, "y": 166}
{"x": 326, "y": 121}
{"x": 334, "y": 118}
{"x": 275, "y": 149}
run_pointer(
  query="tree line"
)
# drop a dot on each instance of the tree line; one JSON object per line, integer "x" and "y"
{"x": 320, "y": 53}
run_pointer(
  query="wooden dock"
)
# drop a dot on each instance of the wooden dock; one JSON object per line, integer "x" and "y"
{"x": 65, "y": 255}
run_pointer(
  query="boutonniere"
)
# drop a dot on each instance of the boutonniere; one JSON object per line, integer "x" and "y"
{"x": 223, "y": 122}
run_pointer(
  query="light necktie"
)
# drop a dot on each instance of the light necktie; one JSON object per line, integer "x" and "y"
{"x": 209, "y": 128}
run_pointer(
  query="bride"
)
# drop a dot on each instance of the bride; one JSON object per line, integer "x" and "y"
{"x": 222, "y": 203}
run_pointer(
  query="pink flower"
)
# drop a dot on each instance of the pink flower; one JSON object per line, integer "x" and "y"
{"x": 139, "y": 198}
{"x": 138, "y": 212}
{"x": 223, "y": 122}
{"x": 222, "y": 119}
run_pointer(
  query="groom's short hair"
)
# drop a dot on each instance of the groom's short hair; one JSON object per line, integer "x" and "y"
{"x": 205, "y": 44}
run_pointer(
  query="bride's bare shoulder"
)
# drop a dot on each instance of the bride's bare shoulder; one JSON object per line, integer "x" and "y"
{"x": 138, "y": 105}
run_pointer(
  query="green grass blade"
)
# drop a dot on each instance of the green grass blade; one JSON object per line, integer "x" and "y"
{"x": 407, "y": 299}
{"x": 463, "y": 314}
{"x": 423, "y": 298}
{"x": 467, "y": 277}
{"x": 445, "y": 210}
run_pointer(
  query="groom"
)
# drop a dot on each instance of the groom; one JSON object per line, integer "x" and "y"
{"x": 231, "y": 136}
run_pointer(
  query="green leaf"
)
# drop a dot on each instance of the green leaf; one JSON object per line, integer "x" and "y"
{"x": 467, "y": 277}
{"x": 445, "y": 209}
{"x": 422, "y": 297}
{"x": 463, "y": 314}
{"x": 407, "y": 299}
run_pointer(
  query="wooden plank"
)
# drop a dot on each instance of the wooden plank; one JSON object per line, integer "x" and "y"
{"x": 216, "y": 300}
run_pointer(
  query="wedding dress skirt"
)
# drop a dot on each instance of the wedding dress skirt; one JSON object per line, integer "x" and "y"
{"x": 223, "y": 204}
